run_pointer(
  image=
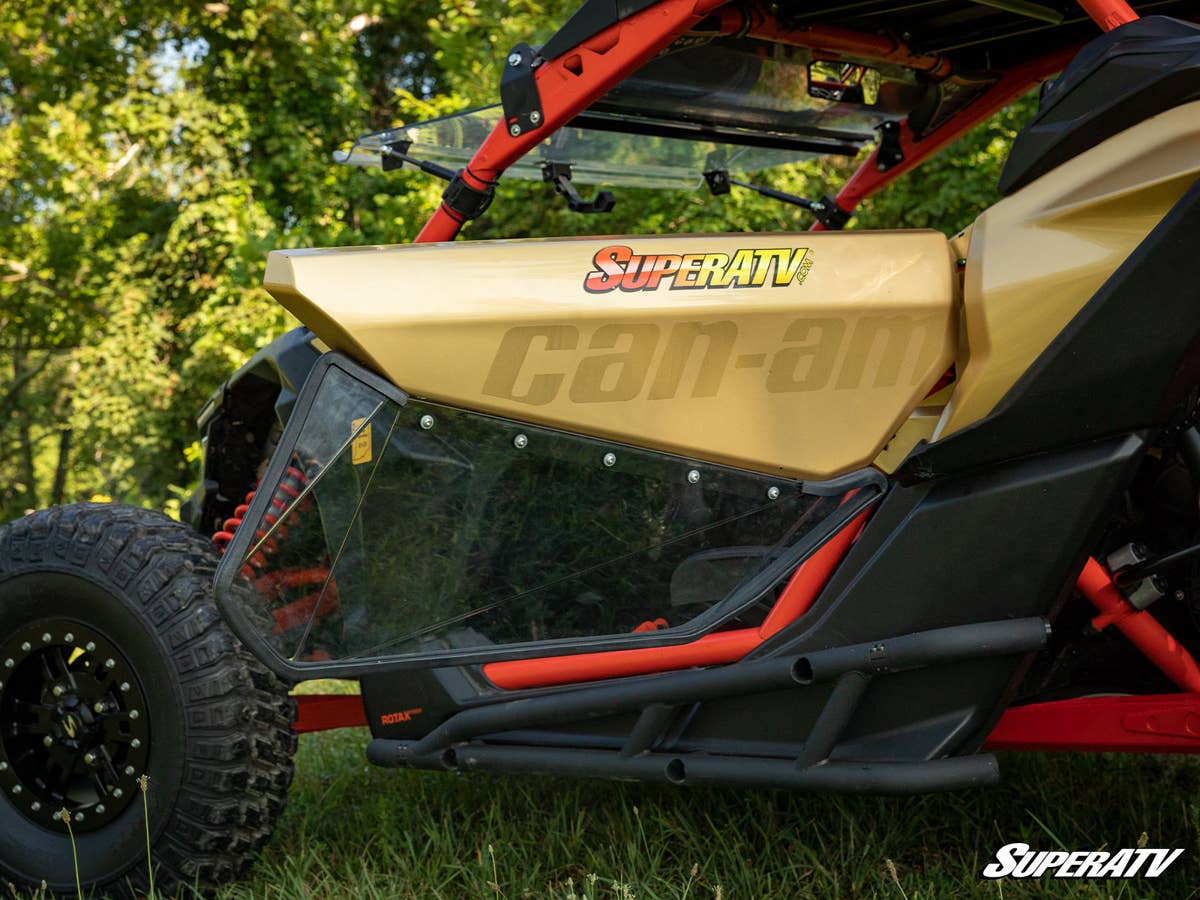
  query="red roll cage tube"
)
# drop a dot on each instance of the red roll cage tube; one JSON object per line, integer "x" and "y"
{"x": 1167, "y": 723}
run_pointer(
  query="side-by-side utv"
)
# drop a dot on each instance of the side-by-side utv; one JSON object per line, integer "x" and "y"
{"x": 824, "y": 510}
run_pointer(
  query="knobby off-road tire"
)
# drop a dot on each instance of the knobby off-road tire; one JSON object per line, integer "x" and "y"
{"x": 121, "y": 598}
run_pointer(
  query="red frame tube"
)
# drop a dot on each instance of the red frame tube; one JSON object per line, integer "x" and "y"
{"x": 712, "y": 649}
{"x": 1168, "y": 723}
{"x": 1142, "y": 629}
{"x": 568, "y": 85}
{"x": 868, "y": 179}
{"x": 833, "y": 41}
{"x": 1109, "y": 14}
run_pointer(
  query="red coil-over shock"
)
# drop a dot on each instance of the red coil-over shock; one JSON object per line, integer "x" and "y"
{"x": 272, "y": 585}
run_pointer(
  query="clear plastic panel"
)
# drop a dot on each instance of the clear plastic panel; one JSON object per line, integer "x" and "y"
{"x": 748, "y": 90}
{"x": 595, "y": 156}
{"x": 418, "y": 528}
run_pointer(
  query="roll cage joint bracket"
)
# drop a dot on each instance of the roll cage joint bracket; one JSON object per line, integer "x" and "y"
{"x": 519, "y": 95}
{"x": 891, "y": 152}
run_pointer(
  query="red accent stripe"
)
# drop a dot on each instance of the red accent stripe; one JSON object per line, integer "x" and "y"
{"x": 1162, "y": 723}
{"x": 324, "y": 712}
{"x": 712, "y": 649}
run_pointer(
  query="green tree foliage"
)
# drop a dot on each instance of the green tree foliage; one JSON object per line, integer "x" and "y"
{"x": 152, "y": 153}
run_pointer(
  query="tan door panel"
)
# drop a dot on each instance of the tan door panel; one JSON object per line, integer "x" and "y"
{"x": 793, "y": 353}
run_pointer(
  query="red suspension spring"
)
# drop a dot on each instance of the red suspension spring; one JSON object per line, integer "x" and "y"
{"x": 273, "y": 584}
{"x": 289, "y": 490}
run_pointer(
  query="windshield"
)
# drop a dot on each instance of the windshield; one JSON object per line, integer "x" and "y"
{"x": 735, "y": 104}
{"x": 596, "y": 156}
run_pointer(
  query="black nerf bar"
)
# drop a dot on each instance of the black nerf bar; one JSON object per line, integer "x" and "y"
{"x": 941, "y": 645}
{"x": 954, "y": 773}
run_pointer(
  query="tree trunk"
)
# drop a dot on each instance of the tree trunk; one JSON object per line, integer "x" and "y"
{"x": 60, "y": 470}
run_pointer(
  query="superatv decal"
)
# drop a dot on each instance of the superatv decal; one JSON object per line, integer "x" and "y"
{"x": 534, "y": 362}
{"x": 1018, "y": 860}
{"x": 618, "y": 267}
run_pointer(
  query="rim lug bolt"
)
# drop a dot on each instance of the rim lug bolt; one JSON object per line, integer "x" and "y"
{"x": 46, "y": 638}
{"x": 3, "y": 766}
{"x": 8, "y": 663}
{"x": 89, "y": 758}
{"x": 35, "y": 806}
{"x": 57, "y": 690}
{"x": 78, "y": 817}
{"x": 100, "y": 809}
{"x": 124, "y": 686}
{"x": 117, "y": 792}
{"x": 89, "y": 647}
{"x": 47, "y": 741}
{"x": 109, "y": 663}
{"x": 133, "y": 714}
{"x": 135, "y": 743}
{"x": 68, "y": 637}
{"x": 26, "y": 646}
{"x": 16, "y": 789}
{"x": 129, "y": 770}
{"x": 99, "y": 707}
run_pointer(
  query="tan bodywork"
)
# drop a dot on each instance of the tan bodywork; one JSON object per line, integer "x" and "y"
{"x": 1037, "y": 256}
{"x": 807, "y": 374}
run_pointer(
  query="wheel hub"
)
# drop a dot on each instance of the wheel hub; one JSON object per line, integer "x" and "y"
{"x": 74, "y": 726}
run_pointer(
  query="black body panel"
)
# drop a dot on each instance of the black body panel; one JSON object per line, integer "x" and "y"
{"x": 1125, "y": 77}
{"x": 1006, "y": 541}
{"x": 1121, "y": 365}
{"x": 238, "y": 420}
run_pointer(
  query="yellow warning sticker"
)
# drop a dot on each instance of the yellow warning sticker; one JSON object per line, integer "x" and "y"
{"x": 360, "y": 449}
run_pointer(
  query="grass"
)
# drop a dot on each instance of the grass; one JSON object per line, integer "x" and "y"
{"x": 352, "y": 830}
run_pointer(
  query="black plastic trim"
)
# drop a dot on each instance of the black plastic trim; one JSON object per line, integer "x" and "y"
{"x": 589, "y": 20}
{"x": 1125, "y": 77}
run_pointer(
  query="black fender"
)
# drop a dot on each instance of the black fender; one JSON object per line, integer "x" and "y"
{"x": 240, "y": 423}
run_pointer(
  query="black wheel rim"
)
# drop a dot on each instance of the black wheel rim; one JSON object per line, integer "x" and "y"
{"x": 76, "y": 728}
